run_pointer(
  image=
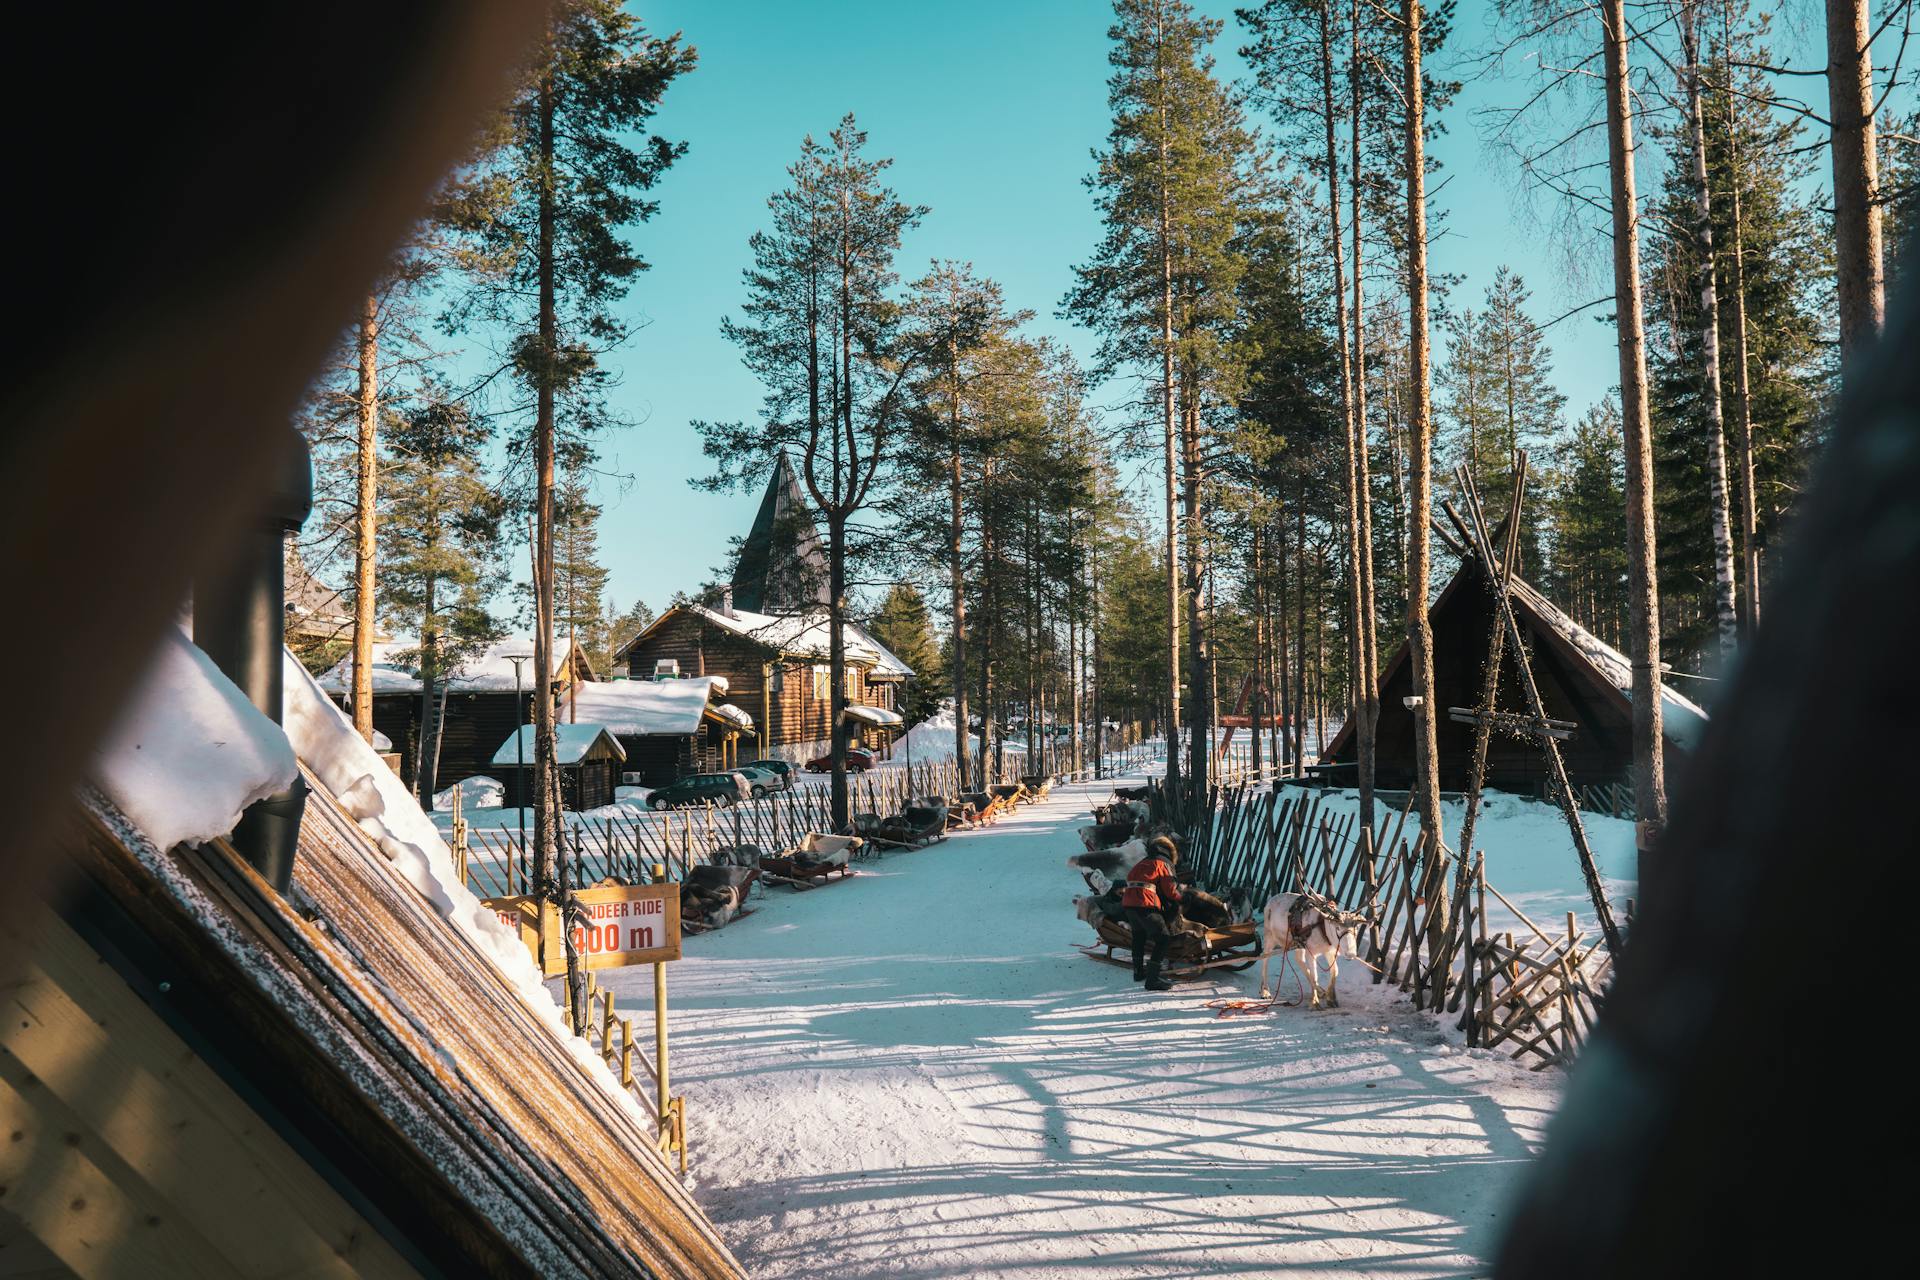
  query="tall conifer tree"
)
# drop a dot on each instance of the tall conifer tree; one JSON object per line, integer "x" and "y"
{"x": 823, "y": 333}
{"x": 542, "y": 220}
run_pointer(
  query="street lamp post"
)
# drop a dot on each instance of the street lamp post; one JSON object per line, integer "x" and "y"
{"x": 519, "y": 660}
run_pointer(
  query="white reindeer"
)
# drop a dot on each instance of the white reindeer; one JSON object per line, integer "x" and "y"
{"x": 1316, "y": 928}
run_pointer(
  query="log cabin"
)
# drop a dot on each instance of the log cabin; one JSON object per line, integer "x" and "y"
{"x": 769, "y": 638}
{"x": 775, "y": 671}
{"x": 482, "y": 707}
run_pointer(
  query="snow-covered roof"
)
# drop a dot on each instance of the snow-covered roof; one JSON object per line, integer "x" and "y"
{"x": 807, "y": 636}
{"x": 636, "y": 707}
{"x": 1681, "y": 719}
{"x": 489, "y": 671}
{"x": 571, "y": 744}
{"x": 890, "y": 667}
{"x": 191, "y": 752}
{"x": 879, "y": 716}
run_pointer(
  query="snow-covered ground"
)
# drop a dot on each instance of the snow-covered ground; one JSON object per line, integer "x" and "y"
{"x": 1529, "y": 850}
{"x": 914, "y": 1074}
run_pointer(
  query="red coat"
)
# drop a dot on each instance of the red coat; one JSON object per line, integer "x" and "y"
{"x": 1151, "y": 885}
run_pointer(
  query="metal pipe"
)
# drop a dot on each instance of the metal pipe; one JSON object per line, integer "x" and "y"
{"x": 239, "y": 621}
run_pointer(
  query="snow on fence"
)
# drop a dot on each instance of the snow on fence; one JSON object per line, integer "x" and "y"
{"x": 1432, "y": 933}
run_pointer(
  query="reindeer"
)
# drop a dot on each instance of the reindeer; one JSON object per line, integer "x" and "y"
{"x": 1317, "y": 928}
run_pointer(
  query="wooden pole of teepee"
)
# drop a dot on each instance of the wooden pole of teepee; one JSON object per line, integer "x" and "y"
{"x": 1481, "y": 546}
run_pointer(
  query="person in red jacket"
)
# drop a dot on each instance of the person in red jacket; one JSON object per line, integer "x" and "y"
{"x": 1152, "y": 902}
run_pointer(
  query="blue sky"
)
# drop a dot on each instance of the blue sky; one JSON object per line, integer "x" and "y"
{"x": 990, "y": 110}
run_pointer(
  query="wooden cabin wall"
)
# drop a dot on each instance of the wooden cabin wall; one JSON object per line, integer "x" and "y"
{"x": 658, "y": 758}
{"x": 703, "y": 649}
{"x": 585, "y": 784}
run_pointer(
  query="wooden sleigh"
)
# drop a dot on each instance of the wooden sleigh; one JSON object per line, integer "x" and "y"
{"x": 815, "y": 861}
{"x": 983, "y": 807}
{"x": 715, "y": 895}
{"x": 1232, "y": 947}
{"x": 916, "y": 826}
{"x": 1008, "y": 794}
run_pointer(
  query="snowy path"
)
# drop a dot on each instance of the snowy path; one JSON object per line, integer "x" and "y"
{"x": 914, "y": 1074}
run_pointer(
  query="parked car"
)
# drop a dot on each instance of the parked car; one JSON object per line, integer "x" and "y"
{"x": 761, "y": 780}
{"x": 858, "y": 761}
{"x": 697, "y": 789}
{"x": 781, "y": 770}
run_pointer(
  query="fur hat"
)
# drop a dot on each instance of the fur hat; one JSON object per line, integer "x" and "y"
{"x": 1164, "y": 847}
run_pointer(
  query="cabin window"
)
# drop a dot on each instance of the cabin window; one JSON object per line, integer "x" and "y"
{"x": 822, "y": 682}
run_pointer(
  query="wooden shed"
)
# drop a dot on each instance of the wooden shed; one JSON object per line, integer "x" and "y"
{"x": 1582, "y": 679}
{"x": 589, "y": 757}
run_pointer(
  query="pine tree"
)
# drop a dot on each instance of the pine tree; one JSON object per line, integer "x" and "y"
{"x": 541, "y": 219}
{"x": 901, "y": 623}
{"x": 579, "y": 579}
{"x": 1857, "y": 235}
{"x": 376, "y": 365}
{"x": 1586, "y": 528}
{"x": 960, "y": 321}
{"x": 440, "y": 546}
{"x": 1500, "y": 398}
{"x": 1426, "y": 764}
{"x": 1780, "y": 290}
{"x": 823, "y": 333}
{"x": 623, "y": 627}
{"x": 1160, "y": 286}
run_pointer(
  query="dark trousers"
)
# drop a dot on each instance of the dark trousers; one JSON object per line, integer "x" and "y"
{"x": 1149, "y": 929}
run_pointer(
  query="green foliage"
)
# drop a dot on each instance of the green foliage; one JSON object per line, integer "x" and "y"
{"x": 1496, "y": 398}
{"x": 579, "y": 579}
{"x": 902, "y": 624}
{"x": 439, "y": 532}
{"x": 820, "y": 328}
{"x": 622, "y": 628}
{"x": 1584, "y": 502}
{"x": 1133, "y": 625}
{"x": 1169, "y": 187}
{"x": 599, "y": 81}
{"x": 1787, "y": 254}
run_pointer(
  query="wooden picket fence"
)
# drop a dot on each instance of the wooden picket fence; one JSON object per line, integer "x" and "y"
{"x": 1432, "y": 934}
{"x": 627, "y": 846}
{"x": 496, "y": 863}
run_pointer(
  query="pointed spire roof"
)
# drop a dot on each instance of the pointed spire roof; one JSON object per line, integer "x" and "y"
{"x": 782, "y": 567}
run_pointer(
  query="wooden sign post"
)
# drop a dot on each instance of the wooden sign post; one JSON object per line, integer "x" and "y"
{"x": 618, "y": 925}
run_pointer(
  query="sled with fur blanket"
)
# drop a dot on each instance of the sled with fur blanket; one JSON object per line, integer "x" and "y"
{"x": 816, "y": 860}
{"x": 921, "y": 823}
